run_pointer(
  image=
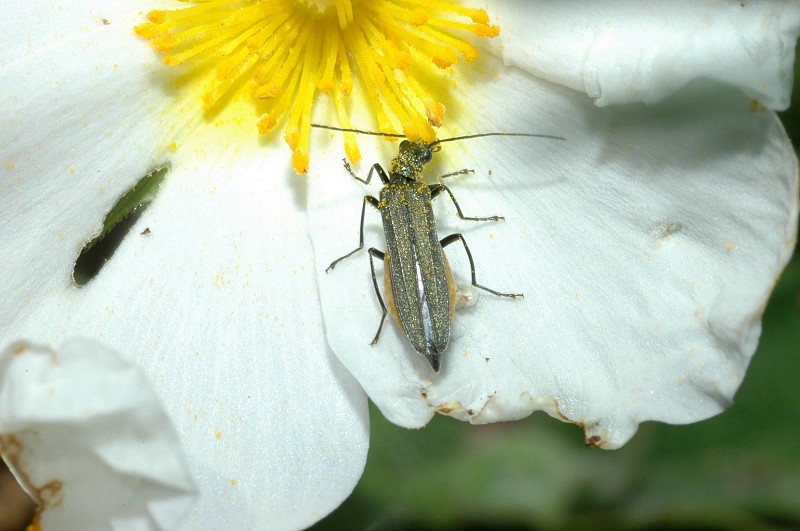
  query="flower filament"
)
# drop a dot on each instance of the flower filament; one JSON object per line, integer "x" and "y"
{"x": 286, "y": 52}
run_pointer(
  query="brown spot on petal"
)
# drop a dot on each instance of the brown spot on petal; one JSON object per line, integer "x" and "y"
{"x": 19, "y": 347}
{"x": 446, "y": 409}
{"x": 11, "y": 448}
{"x": 757, "y": 107}
{"x": 48, "y": 495}
{"x": 595, "y": 441}
{"x": 51, "y": 494}
{"x": 561, "y": 414}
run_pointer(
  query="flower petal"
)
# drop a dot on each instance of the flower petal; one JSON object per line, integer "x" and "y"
{"x": 87, "y": 437}
{"x": 214, "y": 303}
{"x": 621, "y": 52}
{"x": 646, "y": 246}
{"x": 78, "y": 132}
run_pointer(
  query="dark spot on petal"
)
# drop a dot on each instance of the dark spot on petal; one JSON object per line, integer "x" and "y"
{"x": 594, "y": 441}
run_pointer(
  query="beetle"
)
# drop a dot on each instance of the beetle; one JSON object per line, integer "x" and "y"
{"x": 419, "y": 285}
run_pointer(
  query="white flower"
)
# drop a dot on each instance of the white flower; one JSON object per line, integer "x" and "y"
{"x": 646, "y": 244}
{"x": 88, "y": 439}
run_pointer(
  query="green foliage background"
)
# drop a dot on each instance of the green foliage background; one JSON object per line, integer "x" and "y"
{"x": 740, "y": 470}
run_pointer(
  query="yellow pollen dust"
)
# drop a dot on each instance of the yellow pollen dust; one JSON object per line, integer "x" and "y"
{"x": 286, "y": 52}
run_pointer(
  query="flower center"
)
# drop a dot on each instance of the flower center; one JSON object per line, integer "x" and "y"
{"x": 286, "y": 52}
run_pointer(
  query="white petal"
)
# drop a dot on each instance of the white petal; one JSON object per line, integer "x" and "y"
{"x": 87, "y": 437}
{"x": 620, "y": 52}
{"x": 78, "y": 132}
{"x": 646, "y": 246}
{"x": 217, "y": 303}
{"x": 29, "y": 29}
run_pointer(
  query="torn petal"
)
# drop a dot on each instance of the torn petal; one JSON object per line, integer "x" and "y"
{"x": 84, "y": 433}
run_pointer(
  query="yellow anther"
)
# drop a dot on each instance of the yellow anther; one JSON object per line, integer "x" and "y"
{"x": 434, "y": 110}
{"x": 351, "y": 149}
{"x": 285, "y": 52}
{"x": 157, "y": 16}
{"x": 419, "y": 17}
{"x": 479, "y": 16}
{"x": 268, "y": 91}
{"x": 300, "y": 160}
{"x": 484, "y": 30}
{"x": 419, "y": 130}
{"x": 165, "y": 42}
{"x": 148, "y": 30}
{"x": 266, "y": 122}
{"x": 445, "y": 57}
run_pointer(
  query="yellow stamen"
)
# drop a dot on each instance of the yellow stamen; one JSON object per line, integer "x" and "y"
{"x": 285, "y": 52}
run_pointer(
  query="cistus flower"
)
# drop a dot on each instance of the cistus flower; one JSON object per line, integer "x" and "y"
{"x": 646, "y": 244}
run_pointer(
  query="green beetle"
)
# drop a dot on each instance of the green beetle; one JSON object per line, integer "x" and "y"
{"x": 419, "y": 286}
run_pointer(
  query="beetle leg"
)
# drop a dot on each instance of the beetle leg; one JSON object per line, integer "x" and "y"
{"x": 374, "y": 253}
{"x": 453, "y": 237}
{"x": 376, "y": 168}
{"x": 465, "y": 171}
{"x": 436, "y": 189}
{"x": 353, "y": 175}
{"x": 367, "y": 199}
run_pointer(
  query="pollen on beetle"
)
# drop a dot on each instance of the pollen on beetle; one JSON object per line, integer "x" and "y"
{"x": 286, "y": 52}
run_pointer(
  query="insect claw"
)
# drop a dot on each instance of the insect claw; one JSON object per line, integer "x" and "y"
{"x": 380, "y": 327}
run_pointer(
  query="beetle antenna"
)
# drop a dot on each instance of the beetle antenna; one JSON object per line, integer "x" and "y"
{"x": 361, "y": 131}
{"x": 435, "y": 142}
{"x": 479, "y": 135}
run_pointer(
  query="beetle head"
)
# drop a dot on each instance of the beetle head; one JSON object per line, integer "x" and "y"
{"x": 411, "y": 157}
{"x": 420, "y": 151}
